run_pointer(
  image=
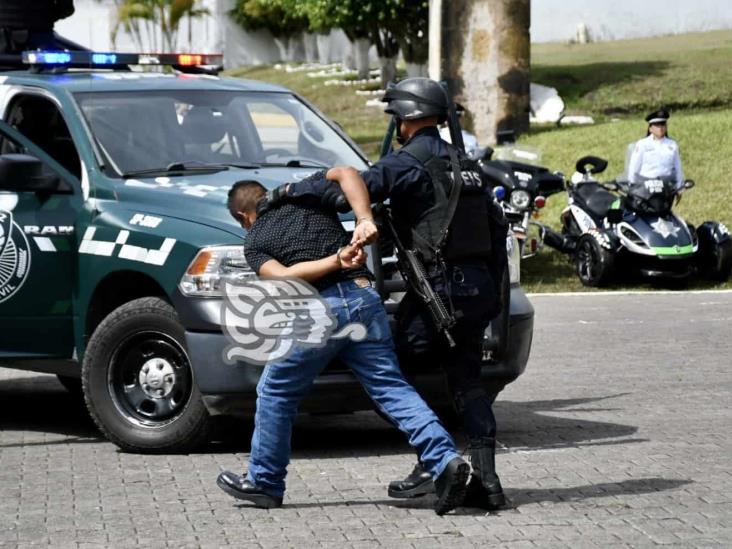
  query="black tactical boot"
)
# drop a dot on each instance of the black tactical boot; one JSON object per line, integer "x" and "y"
{"x": 450, "y": 486}
{"x": 484, "y": 488}
{"x": 239, "y": 487}
{"x": 418, "y": 483}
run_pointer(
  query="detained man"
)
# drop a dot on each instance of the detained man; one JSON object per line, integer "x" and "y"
{"x": 308, "y": 242}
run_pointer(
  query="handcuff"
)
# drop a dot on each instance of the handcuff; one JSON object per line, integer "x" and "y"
{"x": 458, "y": 276}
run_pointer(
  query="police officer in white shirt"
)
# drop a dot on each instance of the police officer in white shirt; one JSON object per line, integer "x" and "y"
{"x": 656, "y": 156}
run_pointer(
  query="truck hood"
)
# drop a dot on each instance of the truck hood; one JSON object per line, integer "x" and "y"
{"x": 200, "y": 198}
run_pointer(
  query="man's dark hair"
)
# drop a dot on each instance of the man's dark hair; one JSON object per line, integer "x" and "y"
{"x": 244, "y": 195}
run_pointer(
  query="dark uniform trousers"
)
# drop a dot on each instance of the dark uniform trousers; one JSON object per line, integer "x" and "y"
{"x": 473, "y": 292}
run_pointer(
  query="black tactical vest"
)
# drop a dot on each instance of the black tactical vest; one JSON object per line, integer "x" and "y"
{"x": 445, "y": 220}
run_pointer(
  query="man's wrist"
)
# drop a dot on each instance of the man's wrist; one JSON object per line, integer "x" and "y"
{"x": 363, "y": 219}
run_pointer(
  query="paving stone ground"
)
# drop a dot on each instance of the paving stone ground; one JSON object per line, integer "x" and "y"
{"x": 618, "y": 435}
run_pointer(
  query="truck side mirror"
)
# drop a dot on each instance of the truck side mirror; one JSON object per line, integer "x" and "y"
{"x": 25, "y": 173}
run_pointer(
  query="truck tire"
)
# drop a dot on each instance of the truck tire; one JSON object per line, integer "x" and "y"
{"x": 137, "y": 381}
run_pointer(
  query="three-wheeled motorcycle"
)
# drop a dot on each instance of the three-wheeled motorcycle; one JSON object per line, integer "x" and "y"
{"x": 617, "y": 226}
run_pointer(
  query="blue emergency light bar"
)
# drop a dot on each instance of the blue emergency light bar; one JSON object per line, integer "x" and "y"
{"x": 90, "y": 59}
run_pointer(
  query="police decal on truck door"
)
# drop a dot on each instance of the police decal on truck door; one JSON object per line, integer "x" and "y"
{"x": 14, "y": 256}
{"x": 89, "y": 245}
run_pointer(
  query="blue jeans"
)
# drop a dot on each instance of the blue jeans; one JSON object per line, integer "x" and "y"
{"x": 284, "y": 383}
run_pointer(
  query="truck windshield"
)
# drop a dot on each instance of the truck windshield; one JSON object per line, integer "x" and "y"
{"x": 152, "y": 130}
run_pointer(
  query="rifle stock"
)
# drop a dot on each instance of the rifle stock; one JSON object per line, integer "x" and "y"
{"x": 413, "y": 270}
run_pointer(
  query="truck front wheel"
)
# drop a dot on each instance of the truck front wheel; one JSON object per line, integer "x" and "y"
{"x": 138, "y": 383}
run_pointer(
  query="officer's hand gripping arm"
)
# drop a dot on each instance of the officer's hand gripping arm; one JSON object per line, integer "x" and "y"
{"x": 357, "y": 195}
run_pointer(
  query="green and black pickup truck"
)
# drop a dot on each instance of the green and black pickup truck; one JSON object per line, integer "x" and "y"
{"x": 115, "y": 243}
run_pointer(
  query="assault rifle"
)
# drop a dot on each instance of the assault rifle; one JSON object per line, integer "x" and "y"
{"x": 413, "y": 271}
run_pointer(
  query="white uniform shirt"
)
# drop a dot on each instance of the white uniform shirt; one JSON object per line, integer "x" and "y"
{"x": 656, "y": 159}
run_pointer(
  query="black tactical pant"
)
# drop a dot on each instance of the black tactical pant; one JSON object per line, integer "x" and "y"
{"x": 475, "y": 299}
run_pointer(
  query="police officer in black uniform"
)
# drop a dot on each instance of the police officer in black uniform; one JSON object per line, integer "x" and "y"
{"x": 465, "y": 267}
{"x": 28, "y": 25}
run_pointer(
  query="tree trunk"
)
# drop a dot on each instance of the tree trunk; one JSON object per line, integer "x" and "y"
{"x": 283, "y": 45}
{"x": 361, "y": 48}
{"x": 324, "y": 48}
{"x": 387, "y": 48}
{"x": 485, "y": 55}
{"x": 349, "y": 57}
{"x": 416, "y": 69}
{"x": 388, "y": 70}
{"x": 311, "y": 47}
{"x": 296, "y": 48}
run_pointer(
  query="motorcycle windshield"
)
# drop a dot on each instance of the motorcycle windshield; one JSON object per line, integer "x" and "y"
{"x": 518, "y": 153}
{"x": 652, "y": 196}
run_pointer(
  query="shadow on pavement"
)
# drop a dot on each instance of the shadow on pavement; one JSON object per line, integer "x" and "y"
{"x": 40, "y": 404}
{"x": 536, "y": 425}
{"x": 518, "y": 497}
{"x": 529, "y": 426}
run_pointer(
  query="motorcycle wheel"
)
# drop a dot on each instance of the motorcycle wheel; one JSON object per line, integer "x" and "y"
{"x": 718, "y": 262}
{"x": 714, "y": 256}
{"x": 593, "y": 262}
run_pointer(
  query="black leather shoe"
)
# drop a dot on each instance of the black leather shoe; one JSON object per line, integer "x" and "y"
{"x": 239, "y": 487}
{"x": 450, "y": 486}
{"x": 418, "y": 483}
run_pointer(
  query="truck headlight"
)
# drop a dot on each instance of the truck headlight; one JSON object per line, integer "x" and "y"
{"x": 514, "y": 258}
{"x": 212, "y": 267}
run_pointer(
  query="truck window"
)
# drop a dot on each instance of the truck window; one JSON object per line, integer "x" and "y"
{"x": 139, "y": 130}
{"x": 40, "y": 121}
{"x": 277, "y": 128}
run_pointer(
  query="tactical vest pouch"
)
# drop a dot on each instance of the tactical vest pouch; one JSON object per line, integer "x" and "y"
{"x": 465, "y": 216}
{"x": 470, "y": 233}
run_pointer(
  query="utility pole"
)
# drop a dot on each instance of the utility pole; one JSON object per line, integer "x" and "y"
{"x": 482, "y": 48}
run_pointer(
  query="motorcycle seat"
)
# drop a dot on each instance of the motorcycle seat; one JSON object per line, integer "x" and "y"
{"x": 597, "y": 200}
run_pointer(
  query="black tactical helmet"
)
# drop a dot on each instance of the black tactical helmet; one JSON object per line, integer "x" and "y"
{"x": 415, "y": 98}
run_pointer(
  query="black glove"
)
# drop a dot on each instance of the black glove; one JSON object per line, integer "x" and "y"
{"x": 317, "y": 191}
{"x": 334, "y": 199}
{"x": 272, "y": 199}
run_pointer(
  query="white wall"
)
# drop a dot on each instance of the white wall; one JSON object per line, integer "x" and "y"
{"x": 551, "y": 20}
{"x": 557, "y": 20}
{"x": 93, "y": 21}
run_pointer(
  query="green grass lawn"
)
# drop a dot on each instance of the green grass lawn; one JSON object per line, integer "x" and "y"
{"x": 365, "y": 125}
{"x": 617, "y": 83}
{"x": 689, "y": 71}
{"x": 705, "y": 142}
